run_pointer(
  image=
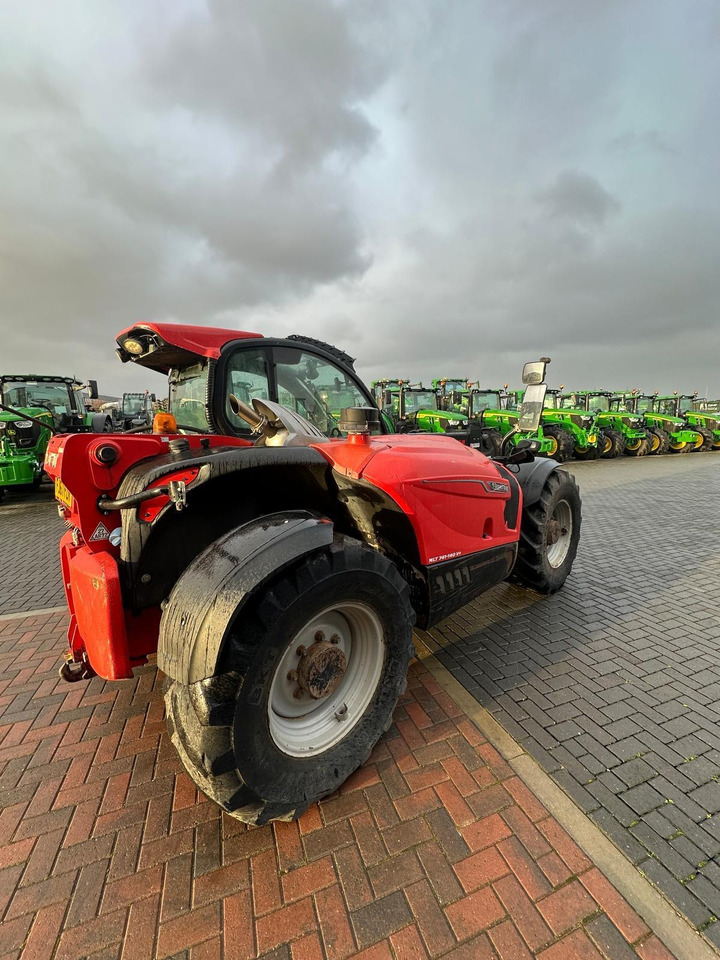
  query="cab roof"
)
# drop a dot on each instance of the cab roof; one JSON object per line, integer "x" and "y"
{"x": 166, "y": 345}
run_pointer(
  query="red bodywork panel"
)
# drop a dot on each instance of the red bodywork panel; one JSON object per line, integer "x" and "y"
{"x": 99, "y": 625}
{"x": 442, "y": 486}
{"x": 453, "y": 496}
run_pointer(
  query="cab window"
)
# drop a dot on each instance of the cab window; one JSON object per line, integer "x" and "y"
{"x": 315, "y": 388}
{"x": 246, "y": 376}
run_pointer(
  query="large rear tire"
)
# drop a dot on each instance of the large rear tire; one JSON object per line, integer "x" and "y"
{"x": 680, "y": 446}
{"x": 563, "y": 445}
{"x": 305, "y": 688}
{"x": 549, "y": 535}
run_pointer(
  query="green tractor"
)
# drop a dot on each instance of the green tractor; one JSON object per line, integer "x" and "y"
{"x": 32, "y": 408}
{"x": 452, "y": 393}
{"x": 688, "y": 408}
{"x": 576, "y": 429}
{"x": 495, "y": 430}
{"x": 672, "y": 432}
{"x": 619, "y": 431}
{"x": 412, "y": 407}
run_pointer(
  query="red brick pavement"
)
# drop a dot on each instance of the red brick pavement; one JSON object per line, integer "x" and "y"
{"x": 433, "y": 849}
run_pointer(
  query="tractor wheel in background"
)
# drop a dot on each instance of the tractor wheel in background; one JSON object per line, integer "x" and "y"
{"x": 549, "y": 535}
{"x": 490, "y": 443}
{"x": 590, "y": 453}
{"x": 612, "y": 444}
{"x": 679, "y": 447}
{"x": 659, "y": 442}
{"x": 563, "y": 446}
{"x": 706, "y": 442}
{"x": 305, "y": 689}
{"x": 638, "y": 446}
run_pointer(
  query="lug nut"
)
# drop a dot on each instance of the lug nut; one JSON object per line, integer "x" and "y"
{"x": 297, "y": 693}
{"x": 335, "y": 638}
{"x": 319, "y": 636}
{"x": 292, "y": 675}
{"x": 300, "y": 650}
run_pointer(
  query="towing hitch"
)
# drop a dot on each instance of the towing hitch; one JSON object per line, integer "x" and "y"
{"x": 73, "y": 670}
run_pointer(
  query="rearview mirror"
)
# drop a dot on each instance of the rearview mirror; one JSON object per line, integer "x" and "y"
{"x": 532, "y": 406}
{"x": 387, "y": 398}
{"x": 534, "y": 372}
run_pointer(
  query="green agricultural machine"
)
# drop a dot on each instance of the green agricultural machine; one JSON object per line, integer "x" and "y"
{"x": 32, "y": 408}
{"x": 452, "y": 393}
{"x": 672, "y": 432}
{"x": 688, "y": 408}
{"x": 576, "y": 424}
{"x": 495, "y": 430}
{"x": 619, "y": 431}
{"x": 412, "y": 407}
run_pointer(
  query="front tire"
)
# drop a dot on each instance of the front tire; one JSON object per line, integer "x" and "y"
{"x": 549, "y": 535}
{"x": 659, "y": 442}
{"x": 252, "y": 746}
{"x": 638, "y": 446}
{"x": 563, "y": 445}
{"x": 612, "y": 444}
{"x": 707, "y": 440}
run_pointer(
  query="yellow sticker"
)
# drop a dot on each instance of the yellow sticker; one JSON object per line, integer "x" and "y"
{"x": 62, "y": 493}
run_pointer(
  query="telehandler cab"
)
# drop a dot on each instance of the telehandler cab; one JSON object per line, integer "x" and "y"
{"x": 275, "y": 557}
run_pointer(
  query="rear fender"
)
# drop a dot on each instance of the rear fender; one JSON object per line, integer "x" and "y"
{"x": 213, "y": 590}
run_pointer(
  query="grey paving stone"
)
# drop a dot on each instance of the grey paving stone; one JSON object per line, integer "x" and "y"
{"x": 615, "y": 656}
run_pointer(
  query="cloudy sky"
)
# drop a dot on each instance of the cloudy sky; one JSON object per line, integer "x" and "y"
{"x": 441, "y": 187}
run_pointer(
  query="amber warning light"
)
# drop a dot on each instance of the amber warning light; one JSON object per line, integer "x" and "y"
{"x": 164, "y": 423}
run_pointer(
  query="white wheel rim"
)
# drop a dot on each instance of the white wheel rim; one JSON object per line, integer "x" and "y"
{"x": 558, "y": 551}
{"x": 304, "y": 727}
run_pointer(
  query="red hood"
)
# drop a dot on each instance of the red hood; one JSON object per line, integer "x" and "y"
{"x": 176, "y": 343}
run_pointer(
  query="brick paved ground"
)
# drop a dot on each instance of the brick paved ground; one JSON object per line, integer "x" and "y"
{"x": 29, "y": 570}
{"x": 613, "y": 685}
{"x": 434, "y": 849}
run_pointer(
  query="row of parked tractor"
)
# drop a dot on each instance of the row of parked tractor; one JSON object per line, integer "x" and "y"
{"x": 33, "y": 407}
{"x": 574, "y": 424}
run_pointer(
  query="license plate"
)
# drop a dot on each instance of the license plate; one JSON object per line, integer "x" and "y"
{"x": 62, "y": 493}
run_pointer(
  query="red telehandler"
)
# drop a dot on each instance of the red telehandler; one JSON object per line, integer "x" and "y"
{"x": 274, "y": 552}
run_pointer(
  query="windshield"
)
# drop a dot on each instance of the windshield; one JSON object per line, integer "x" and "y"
{"x": 572, "y": 402}
{"x": 133, "y": 403}
{"x": 552, "y": 401}
{"x": 415, "y": 400}
{"x": 686, "y": 403}
{"x": 667, "y": 407}
{"x": 485, "y": 400}
{"x": 188, "y": 396}
{"x": 644, "y": 404}
{"x": 455, "y": 386}
{"x": 599, "y": 404}
{"x": 52, "y": 395}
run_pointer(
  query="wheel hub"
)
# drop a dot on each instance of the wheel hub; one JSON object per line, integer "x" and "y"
{"x": 321, "y": 669}
{"x": 554, "y": 531}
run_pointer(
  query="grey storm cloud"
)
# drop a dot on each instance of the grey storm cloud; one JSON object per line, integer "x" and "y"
{"x": 443, "y": 189}
{"x": 579, "y": 198}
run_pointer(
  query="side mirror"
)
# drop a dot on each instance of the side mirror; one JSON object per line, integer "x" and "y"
{"x": 387, "y": 398}
{"x": 534, "y": 372}
{"x": 93, "y": 389}
{"x": 531, "y": 407}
